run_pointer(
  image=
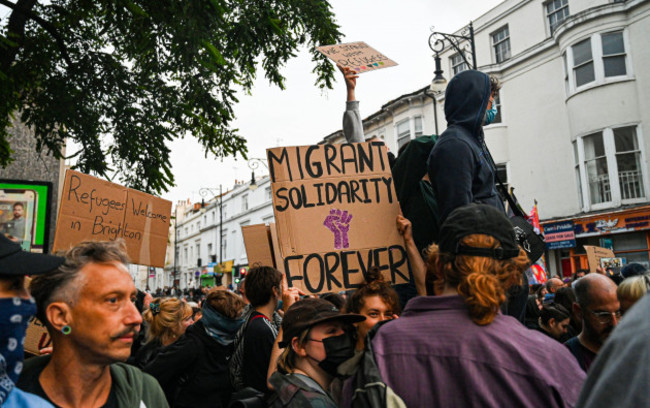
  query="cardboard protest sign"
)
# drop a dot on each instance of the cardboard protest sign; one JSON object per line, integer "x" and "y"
{"x": 595, "y": 254}
{"x": 335, "y": 207}
{"x": 357, "y": 55}
{"x": 257, "y": 239}
{"x": 36, "y": 337}
{"x": 97, "y": 210}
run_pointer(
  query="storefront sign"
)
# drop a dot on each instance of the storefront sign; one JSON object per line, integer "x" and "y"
{"x": 559, "y": 235}
{"x": 627, "y": 221}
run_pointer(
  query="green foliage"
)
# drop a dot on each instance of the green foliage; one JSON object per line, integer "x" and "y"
{"x": 123, "y": 78}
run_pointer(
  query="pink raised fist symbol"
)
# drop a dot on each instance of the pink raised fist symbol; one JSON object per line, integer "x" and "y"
{"x": 339, "y": 223}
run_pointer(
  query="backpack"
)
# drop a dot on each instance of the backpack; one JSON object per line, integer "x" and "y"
{"x": 236, "y": 361}
{"x": 369, "y": 389}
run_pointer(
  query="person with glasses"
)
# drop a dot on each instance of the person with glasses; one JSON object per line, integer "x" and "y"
{"x": 598, "y": 307}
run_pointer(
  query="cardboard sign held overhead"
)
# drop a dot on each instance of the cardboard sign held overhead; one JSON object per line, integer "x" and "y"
{"x": 335, "y": 207}
{"x": 96, "y": 210}
{"x": 257, "y": 239}
{"x": 595, "y": 254}
{"x": 357, "y": 55}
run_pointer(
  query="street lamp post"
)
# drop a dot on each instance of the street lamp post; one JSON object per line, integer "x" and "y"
{"x": 254, "y": 164}
{"x": 438, "y": 41}
{"x": 204, "y": 192}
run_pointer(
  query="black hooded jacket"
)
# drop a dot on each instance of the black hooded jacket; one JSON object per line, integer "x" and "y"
{"x": 459, "y": 170}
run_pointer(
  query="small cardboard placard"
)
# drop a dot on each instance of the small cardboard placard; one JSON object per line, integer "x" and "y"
{"x": 97, "y": 210}
{"x": 335, "y": 207}
{"x": 595, "y": 254}
{"x": 257, "y": 239}
{"x": 357, "y": 55}
{"x": 36, "y": 337}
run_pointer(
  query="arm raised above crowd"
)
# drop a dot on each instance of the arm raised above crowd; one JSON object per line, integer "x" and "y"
{"x": 418, "y": 266}
{"x": 352, "y": 124}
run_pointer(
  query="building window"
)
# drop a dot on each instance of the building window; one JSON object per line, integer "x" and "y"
{"x": 205, "y": 220}
{"x": 609, "y": 163}
{"x": 224, "y": 211}
{"x": 501, "y": 44}
{"x": 210, "y": 249}
{"x": 598, "y": 58}
{"x": 224, "y": 246}
{"x": 244, "y": 202}
{"x": 185, "y": 258}
{"x": 417, "y": 124}
{"x": 613, "y": 54}
{"x": 556, "y": 12}
{"x": 403, "y": 133}
{"x": 583, "y": 63}
{"x": 268, "y": 194}
{"x": 213, "y": 216}
{"x": 458, "y": 64}
{"x": 502, "y": 175}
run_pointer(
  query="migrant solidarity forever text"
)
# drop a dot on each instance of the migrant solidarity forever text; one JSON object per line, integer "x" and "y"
{"x": 335, "y": 208}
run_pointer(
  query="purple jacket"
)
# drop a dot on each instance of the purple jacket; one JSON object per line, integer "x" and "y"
{"x": 435, "y": 356}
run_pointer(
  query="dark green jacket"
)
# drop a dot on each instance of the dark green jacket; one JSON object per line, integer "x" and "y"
{"x": 133, "y": 388}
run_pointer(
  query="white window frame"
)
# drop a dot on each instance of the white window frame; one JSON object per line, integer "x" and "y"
{"x": 612, "y": 169}
{"x": 268, "y": 194}
{"x": 244, "y": 202}
{"x": 599, "y": 67}
{"x": 403, "y": 136}
{"x": 560, "y": 10}
{"x": 457, "y": 63}
{"x": 502, "y": 41}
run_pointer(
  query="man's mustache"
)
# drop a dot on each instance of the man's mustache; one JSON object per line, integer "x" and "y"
{"x": 129, "y": 330}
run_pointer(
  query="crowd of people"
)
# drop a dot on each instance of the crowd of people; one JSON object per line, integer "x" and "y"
{"x": 466, "y": 331}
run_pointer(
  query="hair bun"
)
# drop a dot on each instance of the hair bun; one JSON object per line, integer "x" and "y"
{"x": 374, "y": 275}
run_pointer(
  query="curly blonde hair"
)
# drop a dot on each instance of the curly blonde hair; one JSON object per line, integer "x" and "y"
{"x": 481, "y": 281}
{"x": 165, "y": 322}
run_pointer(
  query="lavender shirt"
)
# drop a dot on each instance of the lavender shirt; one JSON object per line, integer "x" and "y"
{"x": 435, "y": 356}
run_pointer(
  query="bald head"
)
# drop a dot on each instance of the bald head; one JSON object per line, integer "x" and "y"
{"x": 553, "y": 285}
{"x": 593, "y": 288}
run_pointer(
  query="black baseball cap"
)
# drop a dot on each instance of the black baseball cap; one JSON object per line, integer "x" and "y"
{"x": 309, "y": 312}
{"x": 15, "y": 262}
{"x": 478, "y": 219}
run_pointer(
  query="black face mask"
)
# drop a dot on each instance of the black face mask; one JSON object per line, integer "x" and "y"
{"x": 338, "y": 349}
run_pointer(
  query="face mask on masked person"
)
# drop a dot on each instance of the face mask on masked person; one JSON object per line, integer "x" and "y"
{"x": 14, "y": 316}
{"x": 491, "y": 113}
{"x": 338, "y": 349}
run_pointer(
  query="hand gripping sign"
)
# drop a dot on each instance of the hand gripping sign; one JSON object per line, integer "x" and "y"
{"x": 335, "y": 208}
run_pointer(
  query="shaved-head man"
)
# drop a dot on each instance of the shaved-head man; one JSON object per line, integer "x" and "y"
{"x": 598, "y": 307}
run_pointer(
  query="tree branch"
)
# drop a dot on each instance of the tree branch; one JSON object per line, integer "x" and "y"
{"x": 17, "y": 26}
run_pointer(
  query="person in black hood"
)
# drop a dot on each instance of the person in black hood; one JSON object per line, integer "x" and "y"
{"x": 459, "y": 168}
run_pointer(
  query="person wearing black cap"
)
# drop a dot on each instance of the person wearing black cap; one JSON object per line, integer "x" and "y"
{"x": 16, "y": 308}
{"x": 316, "y": 339}
{"x": 457, "y": 349}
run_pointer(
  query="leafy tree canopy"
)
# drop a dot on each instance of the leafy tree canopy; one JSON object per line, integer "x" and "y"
{"x": 123, "y": 78}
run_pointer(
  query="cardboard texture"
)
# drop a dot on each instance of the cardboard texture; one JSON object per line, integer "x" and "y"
{"x": 357, "y": 55}
{"x": 257, "y": 239}
{"x": 36, "y": 337}
{"x": 335, "y": 207}
{"x": 275, "y": 246}
{"x": 98, "y": 210}
{"x": 595, "y": 254}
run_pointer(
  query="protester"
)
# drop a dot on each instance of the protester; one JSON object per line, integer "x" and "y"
{"x": 620, "y": 375}
{"x": 14, "y": 229}
{"x": 141, "y": 299}
{"x": 599, "y": 309}
{"x": 16, "y": 308}
{"x": 376, "y": 300}
{"x": 166, "y": 320}
{"x": 87, "y": 307}
{"x": 554, "y": 321}
{"x": 457, "y": 349}
{"x": 566, "y": 297}
{"x": 631, "y": 290}
{"x": 193, "y": 371}
{"x": 580, "y": 273}
{"x": 250, "y": 361}
{"x": 316, "y": 339}
{"x": 458, "y": 168}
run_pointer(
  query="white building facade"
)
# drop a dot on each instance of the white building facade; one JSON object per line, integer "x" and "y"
{"x": 209, "y": 233}
{"x": 573, "y": 130}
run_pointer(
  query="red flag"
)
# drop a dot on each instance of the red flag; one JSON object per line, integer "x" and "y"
{"x": 533, "y": 219}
